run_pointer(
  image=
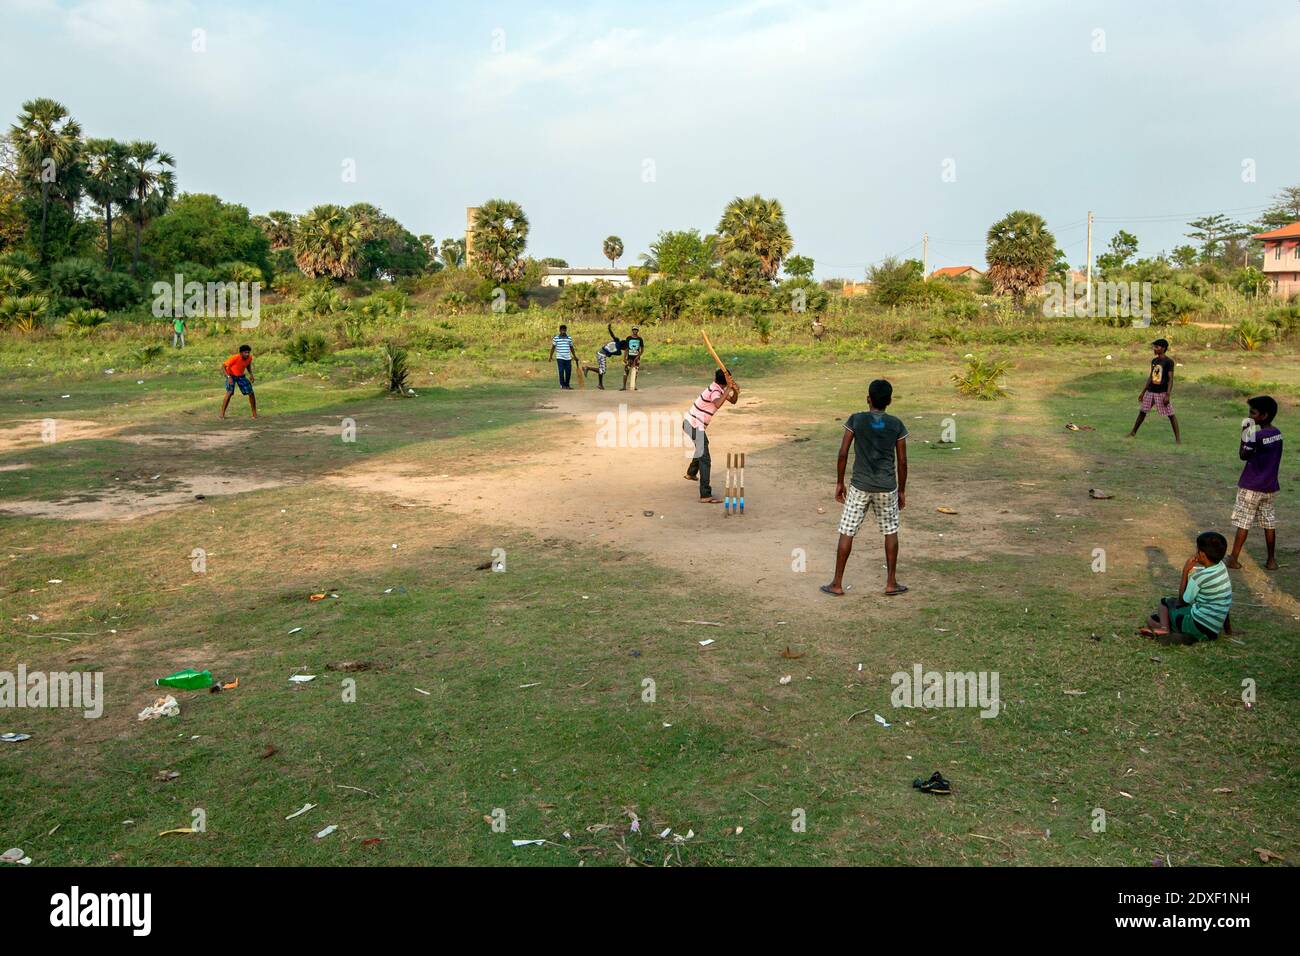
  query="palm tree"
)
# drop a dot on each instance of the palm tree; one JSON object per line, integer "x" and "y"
{"x": 330, "y": 241}
{"x": 613, "y": 249}
{"x": 48, "y": 142}
{"x": 500, "y": 237}
{"x": 152, "y": 183}
{"x": 756, "y": 225}
{"x": 1020, "y": 252}
{"x": 278, "y": 227}
{"x": 452, "y": 253}
{"x": 107, "y": 182}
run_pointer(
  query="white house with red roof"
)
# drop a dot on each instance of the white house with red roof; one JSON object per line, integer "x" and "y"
{"x": 1282, "y": 259}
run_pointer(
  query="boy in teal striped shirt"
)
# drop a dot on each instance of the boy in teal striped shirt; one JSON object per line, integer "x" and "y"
{"x": 1200, "y": 610}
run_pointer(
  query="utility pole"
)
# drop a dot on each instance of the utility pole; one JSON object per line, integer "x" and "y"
{"x": 1089, "y": 261}
{"x": 925, "y": 257}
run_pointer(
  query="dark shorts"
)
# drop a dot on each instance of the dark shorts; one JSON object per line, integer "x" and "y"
{"x": 245, "y": 386}
{"x": 1182, "y": 622}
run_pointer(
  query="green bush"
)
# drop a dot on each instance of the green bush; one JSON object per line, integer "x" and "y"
{"x": 396, "y": 366}
{"x": 1251, "y": 334}
{"x": 85, "y": 321}
{"x": 87, "y": 281}
{"x": 307, "y": 347}
{"x": 982, "y": 379}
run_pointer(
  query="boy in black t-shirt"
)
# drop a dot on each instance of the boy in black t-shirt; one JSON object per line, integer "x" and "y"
{"x": 878, "y": 482}
{"x": 1158, "y": 391}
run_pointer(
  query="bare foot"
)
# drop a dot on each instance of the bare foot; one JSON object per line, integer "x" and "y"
{"x": 1271, "y": 565}
{"x": 690, "y": 477}
{"x": 710, "y": 501}
{"x": 1232, "y": 562}
{"x": 1131, "y": 435}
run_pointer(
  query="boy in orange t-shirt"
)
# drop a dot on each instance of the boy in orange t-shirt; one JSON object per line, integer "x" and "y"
{"x": 239, "y": 371}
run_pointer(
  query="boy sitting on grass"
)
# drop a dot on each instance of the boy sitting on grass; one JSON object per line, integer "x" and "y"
{"x": 1261, "y": 450}
{"x": 239, "y": 371}
{"x": 1200, "y": 610}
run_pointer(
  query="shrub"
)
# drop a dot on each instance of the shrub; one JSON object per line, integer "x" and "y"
{"x": 240, "y": 272}
{"x": 24, "y": 313}
{"x": 88, "y": 281}
{"x": 85, "y": 321}
{"x": 15, "y": 280}
{"x": 715, "y": 304}
{"x": 308, "y": 347}
{"x": 763, "y": 326}
{"x": 320, "y": 300}
{"x": 982, "y": 379}
{"x": 1251, "y": 334}
{"x": 578, "y": 300}
{"x": 145, "y": 354}
{"x": 396, "y": 366}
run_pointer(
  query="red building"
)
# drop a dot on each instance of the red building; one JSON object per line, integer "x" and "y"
{"x": 1282, "y": 259}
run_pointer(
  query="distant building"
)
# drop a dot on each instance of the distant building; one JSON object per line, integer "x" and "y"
{"x": 855, "y": 288}
{"x": 1282, "y": 259}
{"x": 969, "y": 273}
{"x": 557, "y": 278}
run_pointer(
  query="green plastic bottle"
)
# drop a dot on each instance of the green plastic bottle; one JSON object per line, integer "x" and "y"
{"x": 188, "y": 679}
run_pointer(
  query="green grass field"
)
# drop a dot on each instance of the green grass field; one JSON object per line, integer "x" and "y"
{"x": 522, "y": 691}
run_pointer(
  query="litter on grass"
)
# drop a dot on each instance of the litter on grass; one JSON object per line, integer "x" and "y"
{"x": 15, "y": 855}
{"x": 177, "y": 830}
{"x": 12, "y": 738}
{"x": 327, "y": 831}
{"x": 162, "y": 707}
{"x": 706, "y": 643}
{"x": 882, "y": 722}
{"x": 528, "y": 842}
{"x": 301, "y": 678}
{"x": 298, "y": 813}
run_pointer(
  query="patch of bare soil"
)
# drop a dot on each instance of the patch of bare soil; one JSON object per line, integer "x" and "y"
{"x": 195, "y": 441}
{"x": 32, "y": 432}
{"x": 125, "y": 503}
{"x": 633, "y": 495}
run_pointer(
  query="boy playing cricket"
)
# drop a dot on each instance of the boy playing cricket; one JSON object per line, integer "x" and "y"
{"x": 239, "y": 371}
{"x": 1200, "y": 609}
{"x": 613, "y": 347}
{"x": 710, "y": 401}
{"x": 634, "y": 348}
{"x": 878, "y": 483}
{"x": 563, "y": 351}
{"x": 1261, "y": 450}
{"x": 1158, "y": 391}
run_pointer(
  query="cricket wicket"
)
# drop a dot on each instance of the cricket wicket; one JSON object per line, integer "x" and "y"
{"x": 733, "y": 501}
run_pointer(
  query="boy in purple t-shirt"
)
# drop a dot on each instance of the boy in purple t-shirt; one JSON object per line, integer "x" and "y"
{"x": 1261, "y": 450}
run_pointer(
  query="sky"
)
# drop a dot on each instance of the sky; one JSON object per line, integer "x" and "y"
{"x": 872, "y": 122}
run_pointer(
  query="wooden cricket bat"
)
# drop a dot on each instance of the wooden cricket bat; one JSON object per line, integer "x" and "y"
{"x": 709, "y": 345}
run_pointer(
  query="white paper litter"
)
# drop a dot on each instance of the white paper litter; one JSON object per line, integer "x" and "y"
{"x": 327, "y": 831}
{"x": 162, "y": 707}
{"x": 298, "y": 813}
{"x": 882, "y": 722}
{"x": 528, "y": 842}
{"x": 706, "y": 643}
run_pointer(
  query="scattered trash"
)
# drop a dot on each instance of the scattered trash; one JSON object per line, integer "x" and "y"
{"x": 1071, "y": 426}
{"x": 705, "y": 623}
{"x": 12, "y": 738}
{"x": 316, "y": 597}
{"x": 882, "y": 722}
{"x": 327, "y": 831}
{"x": 177, "y": 830}
{"x": 648, "y": 514}
{"x": 1075, "y": 693}
{"x": 295, "y": 630}
{"x": 485, "y": 566}
{"x": 301, "y": 678}
{"x": 534, "y": 684}
{"x": 349, "y": 666}
{"x": 785, "y": 680}
{"x": 166, "y": 776}
{"x": 219, "y": 686}
{"x": 15, "y": 855}
{"x": 633, "y": 653}
{"x": 188, "y": 679}
{"x": 54, "y": 581}
{"x": 424, "y": 692}
{"x": 1099, "y": 494}
{"x": 945, "y": 511}
{"x": 298, "y": 813}
{"x": 162, "y": 707}
{"x": 1222, "y": 790}
{"x": 371, "y": 841}
{"x": 706, "y": 643}
{"x": 1125, "y": 794}
{"x": 936, "y": 784}
{"x": 528, "y": 842}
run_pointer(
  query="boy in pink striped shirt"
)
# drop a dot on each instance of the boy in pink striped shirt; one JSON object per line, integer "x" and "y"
{"x": 709, "y": 402}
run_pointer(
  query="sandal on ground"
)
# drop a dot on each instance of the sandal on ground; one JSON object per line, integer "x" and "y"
{"x": 902, "y": 589}
{"x": 936, "y": 784}
{"x": 826, "y": 589}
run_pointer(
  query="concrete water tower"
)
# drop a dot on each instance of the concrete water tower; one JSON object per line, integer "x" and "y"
{"x": 471, "y": 212}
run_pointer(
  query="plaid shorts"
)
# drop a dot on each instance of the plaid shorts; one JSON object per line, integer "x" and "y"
{"x": 1252, "y": 507}
{"x": 1159, "y": 401}
{"x": 856, "y": 505}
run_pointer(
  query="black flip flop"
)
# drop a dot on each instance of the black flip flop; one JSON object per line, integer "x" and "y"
{"x": 826, "y": 589}
{"x": 902, "y": 589}
{"x": 936, "y": 784}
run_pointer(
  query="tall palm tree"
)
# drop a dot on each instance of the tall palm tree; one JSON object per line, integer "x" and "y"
{"x": 330, "y": 241}
{"x": 756, "y": 225}
{"x": 1020, "y": 252}
{"x": 48, "y": 141}
{"x": 452, "y": 253}
{"x": 107, "y": 181}
{"x": 613, "y": 249}
{"x": 152, "y": 183}
{"x": 500, "y": 237}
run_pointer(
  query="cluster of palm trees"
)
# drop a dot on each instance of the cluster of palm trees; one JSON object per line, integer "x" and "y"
{"x": 57, "y": 165}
